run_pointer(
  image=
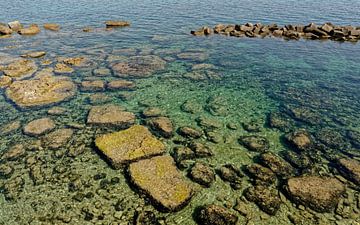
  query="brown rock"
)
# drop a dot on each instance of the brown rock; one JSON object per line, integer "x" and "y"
{"x": 10, "y": 127}
{"x": 57, "y": 138}
{"x": 327, "y": 28}
{"x": 110, "y": 115}
{"x": 159, "y": 178}
{"x": 40, "y": 92}
{"x": 15, "y": 26}
{"x": 129, "y": 145}
{"x": 20, "y": 69}
{"x": 217, "y": 215}
{"x": 350, "y": 169}
{"x": 267, "y": 199}
{"x": 31, "y": 30}
{"x": 162, "y": 125}
{"x": 5, "y": 30}
{"x": 56, "y": 111}
{"x": 202, "y": 174}
{"x": 15, "y": 152}
{"x": 321, "y": 194}
{"x": 120, "y": 85}
{"x": 5, "y": 81}
{"x": 39, "y": 127}
{"x": 63, "y": 68}
{"x": 52, "y": 26}
{"x": 152, "y": 112}
{"x": 300, "y": 139}
{"x": 34, "y": 54}
{"x": 93, "y": 85}
{"x": 190, "y": 132}
{"x": 113, "y": 23}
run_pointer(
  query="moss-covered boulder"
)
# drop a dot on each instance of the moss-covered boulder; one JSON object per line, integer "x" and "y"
{"x": 129, "y": 145}
{"x": 159, "y": 178}
{"x": 44, "y": 91}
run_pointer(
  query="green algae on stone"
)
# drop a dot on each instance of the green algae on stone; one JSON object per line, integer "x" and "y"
{"x": 159, "y": 178}
{"x": 129, "y": 145}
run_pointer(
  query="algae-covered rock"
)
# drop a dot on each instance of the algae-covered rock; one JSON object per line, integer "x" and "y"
{"x": 216, "y": 215}
{"x": 350, "y": 169}
{"x": 202, "y": 174}
{"x": 162, "y": 125}
{"x": 39, "y": 127}
{"x": 129, "y": 145}
{"x": 267, "y": 199}
{"x": 40, "y": 92}
{"x": 20, "y": 69}
{"x": 110, "y": 115}
{"x": 300, "y": 139}
{"x": 321, "y": 194}
{"x": 159, "y": 178}
{"x": 120, "y": 85}
{"x": 37, "y": 54}
{"x": 255, "y": 143}
{"x": 10, "y": 127}
{"x": 58, "y": 138}
{"x": 92, "y": 85}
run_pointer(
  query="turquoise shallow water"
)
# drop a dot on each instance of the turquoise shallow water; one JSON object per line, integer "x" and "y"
{"x": 311, "y": 85}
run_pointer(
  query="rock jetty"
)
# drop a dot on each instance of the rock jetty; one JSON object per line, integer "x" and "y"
{"x": 327, "y": 31}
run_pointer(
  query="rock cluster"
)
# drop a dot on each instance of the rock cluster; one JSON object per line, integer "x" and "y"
{"x": 311, "y": 31}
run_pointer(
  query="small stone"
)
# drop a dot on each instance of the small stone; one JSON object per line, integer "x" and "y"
{"x": 255, "y": 143}
{"x": 231, "y": 174}
{"x": 120, "y": 85}
{"x": 190, "y": 132}
{"x": 202, "y": 174}
{"x": 63, "y": 68}
{"x": 5, "y": 81}
{"x": 252, "y": 126}
{"x": 52, "y": 26}
{"x": 5, "y": 30}
{"x": 129, "y": 145}
{"x": 216, "y": 215}
{"x": 159, "y": 178}
{"x": 110, "y": 115}
{"x": 200, "y": 149}
{"x": 278, "y": 165}
{"x": 181, "y": 153}
{"x": 261, "y": 174}
{"x": 267, "y": 199}
{"x": 162, "y": 125}
{"x": 94, "y": 85}
{"x": 99, "y": 99}
{"x": 15, "y": 25}
{"x": 39, "y": 127}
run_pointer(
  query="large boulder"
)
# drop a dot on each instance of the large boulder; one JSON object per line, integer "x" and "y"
{"x": 139, "y": 66}
{"x": 321, "y": 194}
{"x": 110, "y": 115}
{"x": 159, "y": 178}
{"x": 20, "y": 69}
{"x": 216, "y": 215}
{"x": 129, "y": 145}
{"x": 39, "y": 127}
{"x": 350, "y": 169}
{"x": 46, "y": 90}
{"x": 31, "y": 30}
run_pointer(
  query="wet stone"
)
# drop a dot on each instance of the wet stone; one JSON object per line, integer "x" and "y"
{"x": 14, "y": 152}
{"x": 202, "y": 174}
{"x": 110, "y": 115}
{"x": 261, "y": 174}
{"x": 277, "y": 164}
{"x": 266, "y": 198}
{"x": 40, "y": 92}
{"x": 31, "y": 30}
{"x": 10, "y": 127}
{"x": 162, "y": 125}
{"x": 216, "y": 215}
{"x": 5, "y": 81}
{"x": 299, "y": 139}
{"x": 39, "y": 127}
{"x": 230, "y": 173}
{"x": 57, "y": 138}
{"x": 6, "y": 171}
{"x": 217, "y": 106}
{"x": 321, "y": 194}
{"x": 120, "y": 85}
{"x": 152, "y": 112}
{"x": 255, "y": 143}
{"x": 52, "y": 26}
{"x": 159, "y": 178}
{"x": 181, "y": 153}
{"x": 350, "y": 169}
{"x": 200, "y": 149}
{"x": 190, "y": 132}
{"x": 94, "y": 85}
{"x": 129, "y": 145}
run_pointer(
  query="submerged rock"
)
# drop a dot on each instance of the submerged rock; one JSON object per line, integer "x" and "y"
{"x": 152, "y": 112}
{"x": 110, "y": 115}
{"x": 58, "y": 138}
{"x": 277, "y": 164}
{"x": 162, "y": 125}
{"x": 31, "y": 30}
{"x": 39, "y": 127}
{"x": 300, "y": 139}
{"x": 10, "y": 127}
{"x": 190, "y": 132}
{"x": 63, "y": 68}
{"x": 216, "y": 215}
{"x": 231, "y": 174}
{"x": 159, "y": 178}
{"x": 52, "y": 26}
{"x": 20, "y": 69}
{"x": 195, "y": 56}
{"x": 266, "y": 198}
{"x": 120, "y": 85}
{"x": 93, "y": 85}
{"x": 102, "y": 72}
{"x": 5, "y": 30}
{"x": 332, "y": 138}
{"x": 15, "y": 25}
{"x": 6, "y": 171}
{"x": 139, "y": 66}
{"x": 200, "y": 149}
{"x": 14, "y": 153}
{"x": 34, "y": 54}
{"x": 321, "y": 194}
{"x": 129, "y": 145}
{"x": 261, "y": 174}
{"x": 5, "y": 81}
{"x": 255, "y": 143}
{"x": 350, "y": 169}
{"x": 40, "y": 92}
{"x": 202, "y": 174}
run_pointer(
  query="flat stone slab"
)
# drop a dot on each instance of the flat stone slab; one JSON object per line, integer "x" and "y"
{"x": 110, "y": 115}
{"x": 129, "y": 145}
{"x": 58, "y": 138}
{"x": 44, "y": 91}
{"x": 159, "y": 178}
{"x": 39, "y": 127}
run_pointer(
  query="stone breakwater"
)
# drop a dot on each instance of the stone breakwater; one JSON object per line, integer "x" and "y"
{"x": 327, "y": 31}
